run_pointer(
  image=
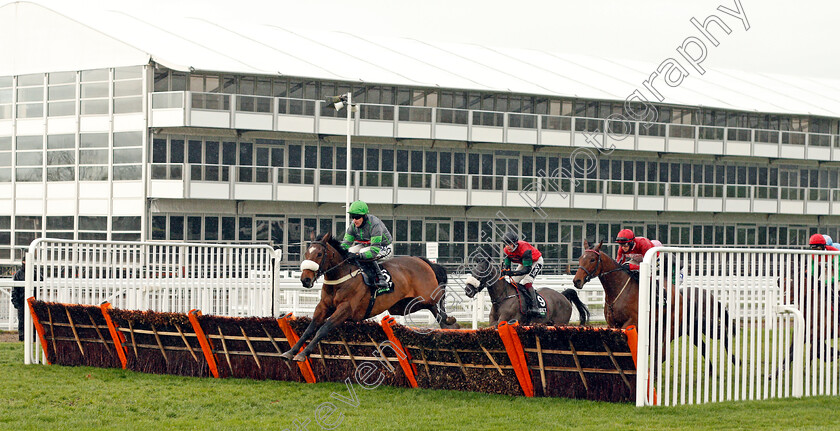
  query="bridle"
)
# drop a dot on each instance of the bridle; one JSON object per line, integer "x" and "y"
{"x": 485, "y": 281}
{"x": 597, "y": 271}
{"x": 327, "y": 250}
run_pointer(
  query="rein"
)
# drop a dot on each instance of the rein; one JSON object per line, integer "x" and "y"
{"x": 501, "y": 300}
{"x": 597, "y": 273}
{"x": 324, "y": 272}
{"x": 506, "y": 297}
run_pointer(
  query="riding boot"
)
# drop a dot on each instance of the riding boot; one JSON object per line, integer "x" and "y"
{"x": 533, "y": 308}
{"x": 381, "y": 282}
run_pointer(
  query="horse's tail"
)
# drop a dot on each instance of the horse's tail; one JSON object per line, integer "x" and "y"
{"x": 441, "y": 277}
{"x": 440, "y": 272}
{"x": 583, "y": 311}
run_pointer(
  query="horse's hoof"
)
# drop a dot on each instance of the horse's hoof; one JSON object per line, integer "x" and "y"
{"x": 450, "y": 320}
{"x": 300, "y": 357}
{"x": 287, "y": 355}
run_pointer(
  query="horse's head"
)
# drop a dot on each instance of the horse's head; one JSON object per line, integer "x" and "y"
{"x": 589, "y": 264}
{"x": 483, "y": 274}
{"x": 320, "y": 257}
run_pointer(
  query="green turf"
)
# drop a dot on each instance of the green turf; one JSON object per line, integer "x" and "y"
{"x": 82, "y": 398}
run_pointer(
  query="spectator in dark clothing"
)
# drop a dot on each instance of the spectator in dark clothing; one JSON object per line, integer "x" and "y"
{"x": 17, "y": 297}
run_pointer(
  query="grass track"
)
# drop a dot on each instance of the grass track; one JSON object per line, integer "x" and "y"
{"x": 82, "y": 398}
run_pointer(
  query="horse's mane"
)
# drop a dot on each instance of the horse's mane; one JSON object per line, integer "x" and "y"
{"x": 485, "y": 259}
{"x": 334, "y": 243}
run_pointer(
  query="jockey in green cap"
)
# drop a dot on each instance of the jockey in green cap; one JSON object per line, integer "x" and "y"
{"x": 369, "y": 241}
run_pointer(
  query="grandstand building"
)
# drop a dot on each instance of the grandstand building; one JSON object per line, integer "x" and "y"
{"x": 115, "y": 127}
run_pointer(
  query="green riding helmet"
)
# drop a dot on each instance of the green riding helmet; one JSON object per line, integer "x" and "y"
{"x": 358, "y": 207}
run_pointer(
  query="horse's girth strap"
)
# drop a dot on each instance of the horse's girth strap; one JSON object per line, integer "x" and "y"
{"x": 343, "y": 279}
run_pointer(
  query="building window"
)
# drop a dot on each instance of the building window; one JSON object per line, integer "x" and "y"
{"x": 6, "y": 97}
{"x": 61, "y": 157}
{"x": 94, "y": 92}
{"x": 27, "y": 228}
{"x": 125, "y": 228}
{"x": 60, "y": 227}
{"x": 6, "y": 238}
{"x": 5, "y": 159}
{"x": 93, "y": 157}
{"x": 211, "y": 228}
{"x": 30, "y": 96}
{"x": 29, "y": 159}
{"x": 128, "y": 155}
{"x": 93, "y": 228}
{"x": 61, "y": 94}
{"x": 128, "y": 89}
{"x": 167, "y": 158}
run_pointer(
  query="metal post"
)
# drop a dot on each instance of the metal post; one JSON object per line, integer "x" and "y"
{"x": 347, "y": 186}
{"x": 643, "y": 344}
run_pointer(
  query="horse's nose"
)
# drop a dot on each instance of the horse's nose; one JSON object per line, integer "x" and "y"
{"x": 576, "y": 282}
{"x": 306, "y": 282}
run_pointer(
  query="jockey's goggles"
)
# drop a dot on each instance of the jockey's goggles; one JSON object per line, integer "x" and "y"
{"x": 357, "y": 216}
{"x": 817, "y": 246}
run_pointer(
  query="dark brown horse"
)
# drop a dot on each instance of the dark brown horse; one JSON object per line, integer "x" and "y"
{"x": 418, "y": 284}
{"x": 621, "y": 299}
{"x": 503, "y": 296}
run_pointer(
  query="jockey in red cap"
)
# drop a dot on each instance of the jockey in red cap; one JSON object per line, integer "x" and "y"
{"x": 818, "y": 242}
{"x": 632, "y": 249}
{"x": 529, "y": 265}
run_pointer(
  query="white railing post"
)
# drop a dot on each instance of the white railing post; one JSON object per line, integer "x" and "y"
{"x": 797, "y": 369}
{"x": 643, "y": 344}
{"x": 29, "y": 289}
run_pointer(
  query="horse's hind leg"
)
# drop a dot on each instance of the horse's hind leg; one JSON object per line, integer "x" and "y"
{"x": 445, "y": 321}
{"x": 437, "y": 307}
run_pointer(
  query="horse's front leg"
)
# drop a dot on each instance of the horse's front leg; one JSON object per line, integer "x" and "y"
{"x": 341, "y": 313}
{"x": 318, "y": 318}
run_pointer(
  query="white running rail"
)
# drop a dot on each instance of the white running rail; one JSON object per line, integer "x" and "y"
{"x": 778, "y": 310}
{"x": 227, "y": 280}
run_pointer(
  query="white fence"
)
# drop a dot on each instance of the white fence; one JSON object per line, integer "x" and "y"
{"x": 8, "y": 313}
{"x": 227, "y": 280}
{"x": 768, "y": 320}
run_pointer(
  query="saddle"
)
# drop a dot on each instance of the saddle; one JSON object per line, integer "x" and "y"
{"x": 542, "y": 306}
{"x": 371, "y": 277}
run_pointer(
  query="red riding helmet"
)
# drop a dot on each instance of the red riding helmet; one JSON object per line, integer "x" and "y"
{"x": 625, "y": 236}
{"x": 817, "y": 239}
